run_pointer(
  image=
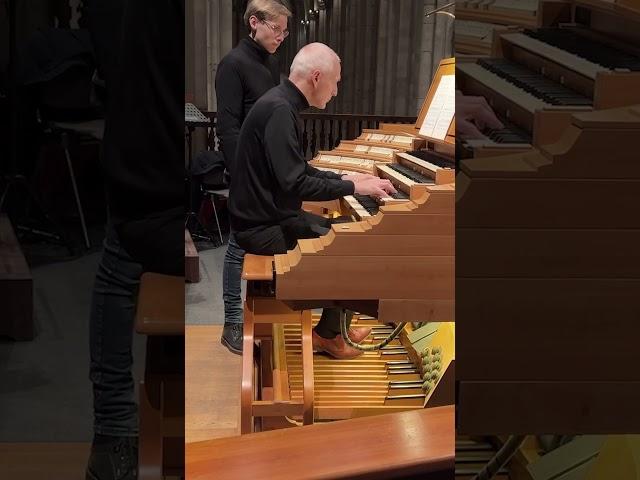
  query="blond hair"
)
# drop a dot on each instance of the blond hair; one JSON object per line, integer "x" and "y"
{"x": 265, "y": 10}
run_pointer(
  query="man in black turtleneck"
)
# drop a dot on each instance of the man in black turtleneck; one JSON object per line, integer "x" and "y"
{"x": 271, "y": 177}
{"x": 243, "y": 76}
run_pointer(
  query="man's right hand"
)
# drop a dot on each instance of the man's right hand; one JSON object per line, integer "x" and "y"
{"x": 374, "y": 186}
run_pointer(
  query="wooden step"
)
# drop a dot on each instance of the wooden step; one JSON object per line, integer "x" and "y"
{"x": 16, "y": 287}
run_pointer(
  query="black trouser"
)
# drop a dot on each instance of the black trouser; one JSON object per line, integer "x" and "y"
{"x": 277, "y": 239}
{"x": 156, "y": 244}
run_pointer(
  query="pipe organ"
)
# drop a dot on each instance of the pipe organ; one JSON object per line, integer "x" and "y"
{"x": 394, "y": 262}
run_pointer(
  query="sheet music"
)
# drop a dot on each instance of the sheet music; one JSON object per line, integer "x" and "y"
{"x": 192, "y": 114}
{"x": 442, "y": 109}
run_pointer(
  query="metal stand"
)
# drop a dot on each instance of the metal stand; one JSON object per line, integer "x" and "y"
{"x": 194, "y": 118}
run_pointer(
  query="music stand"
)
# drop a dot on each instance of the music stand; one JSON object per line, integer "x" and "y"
{"x": 194, "y": 118}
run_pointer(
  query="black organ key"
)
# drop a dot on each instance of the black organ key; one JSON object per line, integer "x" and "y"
{"x": 534, "y": 83}
{"x": 411, "y": 174}
{"x": 432, "y": 158}
{"x": 587, "y": 48}
{"x": 369, "y": 203}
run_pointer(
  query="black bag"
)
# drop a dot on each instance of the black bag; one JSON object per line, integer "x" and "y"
{"x": 208, "y": 168}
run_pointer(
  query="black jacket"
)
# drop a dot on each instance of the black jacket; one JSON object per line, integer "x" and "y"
{"x": 144, "y": 133}
{"x": 272, "y": 178}
{"x": 245, "y": 74}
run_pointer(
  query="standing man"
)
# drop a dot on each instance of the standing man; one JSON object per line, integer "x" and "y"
{"x": 243, "y": 76}
{"x": 271, "y": 177}
{"x": 141, "y": 51}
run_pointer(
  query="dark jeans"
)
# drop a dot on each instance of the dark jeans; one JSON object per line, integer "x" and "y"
{"x": 232, "y": 281}
{"x": 277, "y": 239}
{"x": 130, "y": 248}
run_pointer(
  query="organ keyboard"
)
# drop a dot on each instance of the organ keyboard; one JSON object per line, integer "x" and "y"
{"x": 350, "y": 160}
{"x": 582, "y": 59}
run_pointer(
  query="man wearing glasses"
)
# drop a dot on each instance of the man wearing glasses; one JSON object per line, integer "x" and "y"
{"x": 243, "y": 76}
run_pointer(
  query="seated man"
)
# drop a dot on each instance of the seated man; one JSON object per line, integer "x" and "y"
{"x": 271, "y": 177}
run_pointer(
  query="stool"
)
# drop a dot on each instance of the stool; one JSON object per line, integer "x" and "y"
{"x": 267, "y": 395}
{"x": 223, "y": 193}
{"x": 160, "y": 316}
{"x": 92, "y": 130}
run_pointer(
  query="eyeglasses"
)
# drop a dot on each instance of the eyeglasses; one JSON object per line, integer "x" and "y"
{"x": 277, "y": 31}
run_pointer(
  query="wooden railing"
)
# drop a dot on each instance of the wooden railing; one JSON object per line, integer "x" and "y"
{"x": 324, "y": 131}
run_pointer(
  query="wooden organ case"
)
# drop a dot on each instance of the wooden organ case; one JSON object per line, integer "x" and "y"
{"x": 547, "y": 282}
{"x": 393, "y": 263}
{"x": 582, "y": 55}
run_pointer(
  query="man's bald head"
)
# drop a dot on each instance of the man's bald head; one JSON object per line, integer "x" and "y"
{"x": 315, "y": 70}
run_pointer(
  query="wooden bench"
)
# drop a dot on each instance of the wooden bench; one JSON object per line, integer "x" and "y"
{"x": 160, "y": 316}
{"x": 16, "y": 287}
{"x": 413, "y": 444}
{"x": 265, "y": 395}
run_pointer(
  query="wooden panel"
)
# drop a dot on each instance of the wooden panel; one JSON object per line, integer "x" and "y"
{"x": 572, "y": 204}
{"x": 419, "y": 442}
{"x": 544, "y": 407}
{"x": 547, "y": 253}
{"x": 257, "y": 267}
{"x": 544, "y": 329}
{"x": 16, "y": 287}
{"x": 160, "y": 309}
{"x": 390, "y": 310}
{"x": 370, "y": 244}
{"x": 431, "y": 277}
{"x": 34, "y": 461}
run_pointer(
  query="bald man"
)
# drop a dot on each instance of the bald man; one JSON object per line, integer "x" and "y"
{"x": 272, "y": 178}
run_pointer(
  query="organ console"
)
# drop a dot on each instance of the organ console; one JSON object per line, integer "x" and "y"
{"x": 477, "y": 21}
{"x": 545, "y": 283}
{"x": 394, "y": 262}
{"x": 579, "y": 56}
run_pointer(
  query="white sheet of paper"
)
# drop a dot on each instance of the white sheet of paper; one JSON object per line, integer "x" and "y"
{"x": 442, "y": 109}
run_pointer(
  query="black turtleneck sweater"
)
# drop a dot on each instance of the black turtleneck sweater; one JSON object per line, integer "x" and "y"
{"x": 144, "y": 132}
{"x": 243, "y": 76}
{"x": 271, "y": 177}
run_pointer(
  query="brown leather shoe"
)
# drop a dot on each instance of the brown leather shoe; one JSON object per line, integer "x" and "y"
{"x": 358, "y": 334}
{"x": 336, "y": 347}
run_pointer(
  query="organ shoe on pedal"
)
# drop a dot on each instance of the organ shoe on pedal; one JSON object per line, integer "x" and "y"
{"x": 113, "y": 458}
{"x": 358, "y": 334}
{"x": 232, "y": 337}
{"x": 336, "y": 347}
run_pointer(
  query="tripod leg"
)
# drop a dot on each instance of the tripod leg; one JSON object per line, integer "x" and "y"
{"x": 215, "y": 212}
{"x": 78, "y": 203}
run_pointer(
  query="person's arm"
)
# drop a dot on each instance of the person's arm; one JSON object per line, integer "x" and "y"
{"x": 290, "y": 168}
{"x": 230, "y": 98}
{"x": 473, "y": 114}
{"x": 316, "y": 172}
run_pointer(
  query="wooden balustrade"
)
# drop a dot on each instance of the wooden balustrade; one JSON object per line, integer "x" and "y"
{"x": 323, "y": 131}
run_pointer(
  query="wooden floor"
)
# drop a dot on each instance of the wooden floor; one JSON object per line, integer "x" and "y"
{"x": 35, "y": 461}
{"x": 212, "y": 385}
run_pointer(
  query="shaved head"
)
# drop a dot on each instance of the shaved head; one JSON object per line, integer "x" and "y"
{"x": 315, "y": 56}
{"x": 315, "y": 70}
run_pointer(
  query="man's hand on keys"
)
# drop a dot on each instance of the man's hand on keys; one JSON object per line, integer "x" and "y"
{"x": 374, "y": 186}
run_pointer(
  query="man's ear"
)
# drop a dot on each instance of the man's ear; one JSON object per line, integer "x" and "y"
{"x": 316, "y": 77}
{"x": 253, "y": 22}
